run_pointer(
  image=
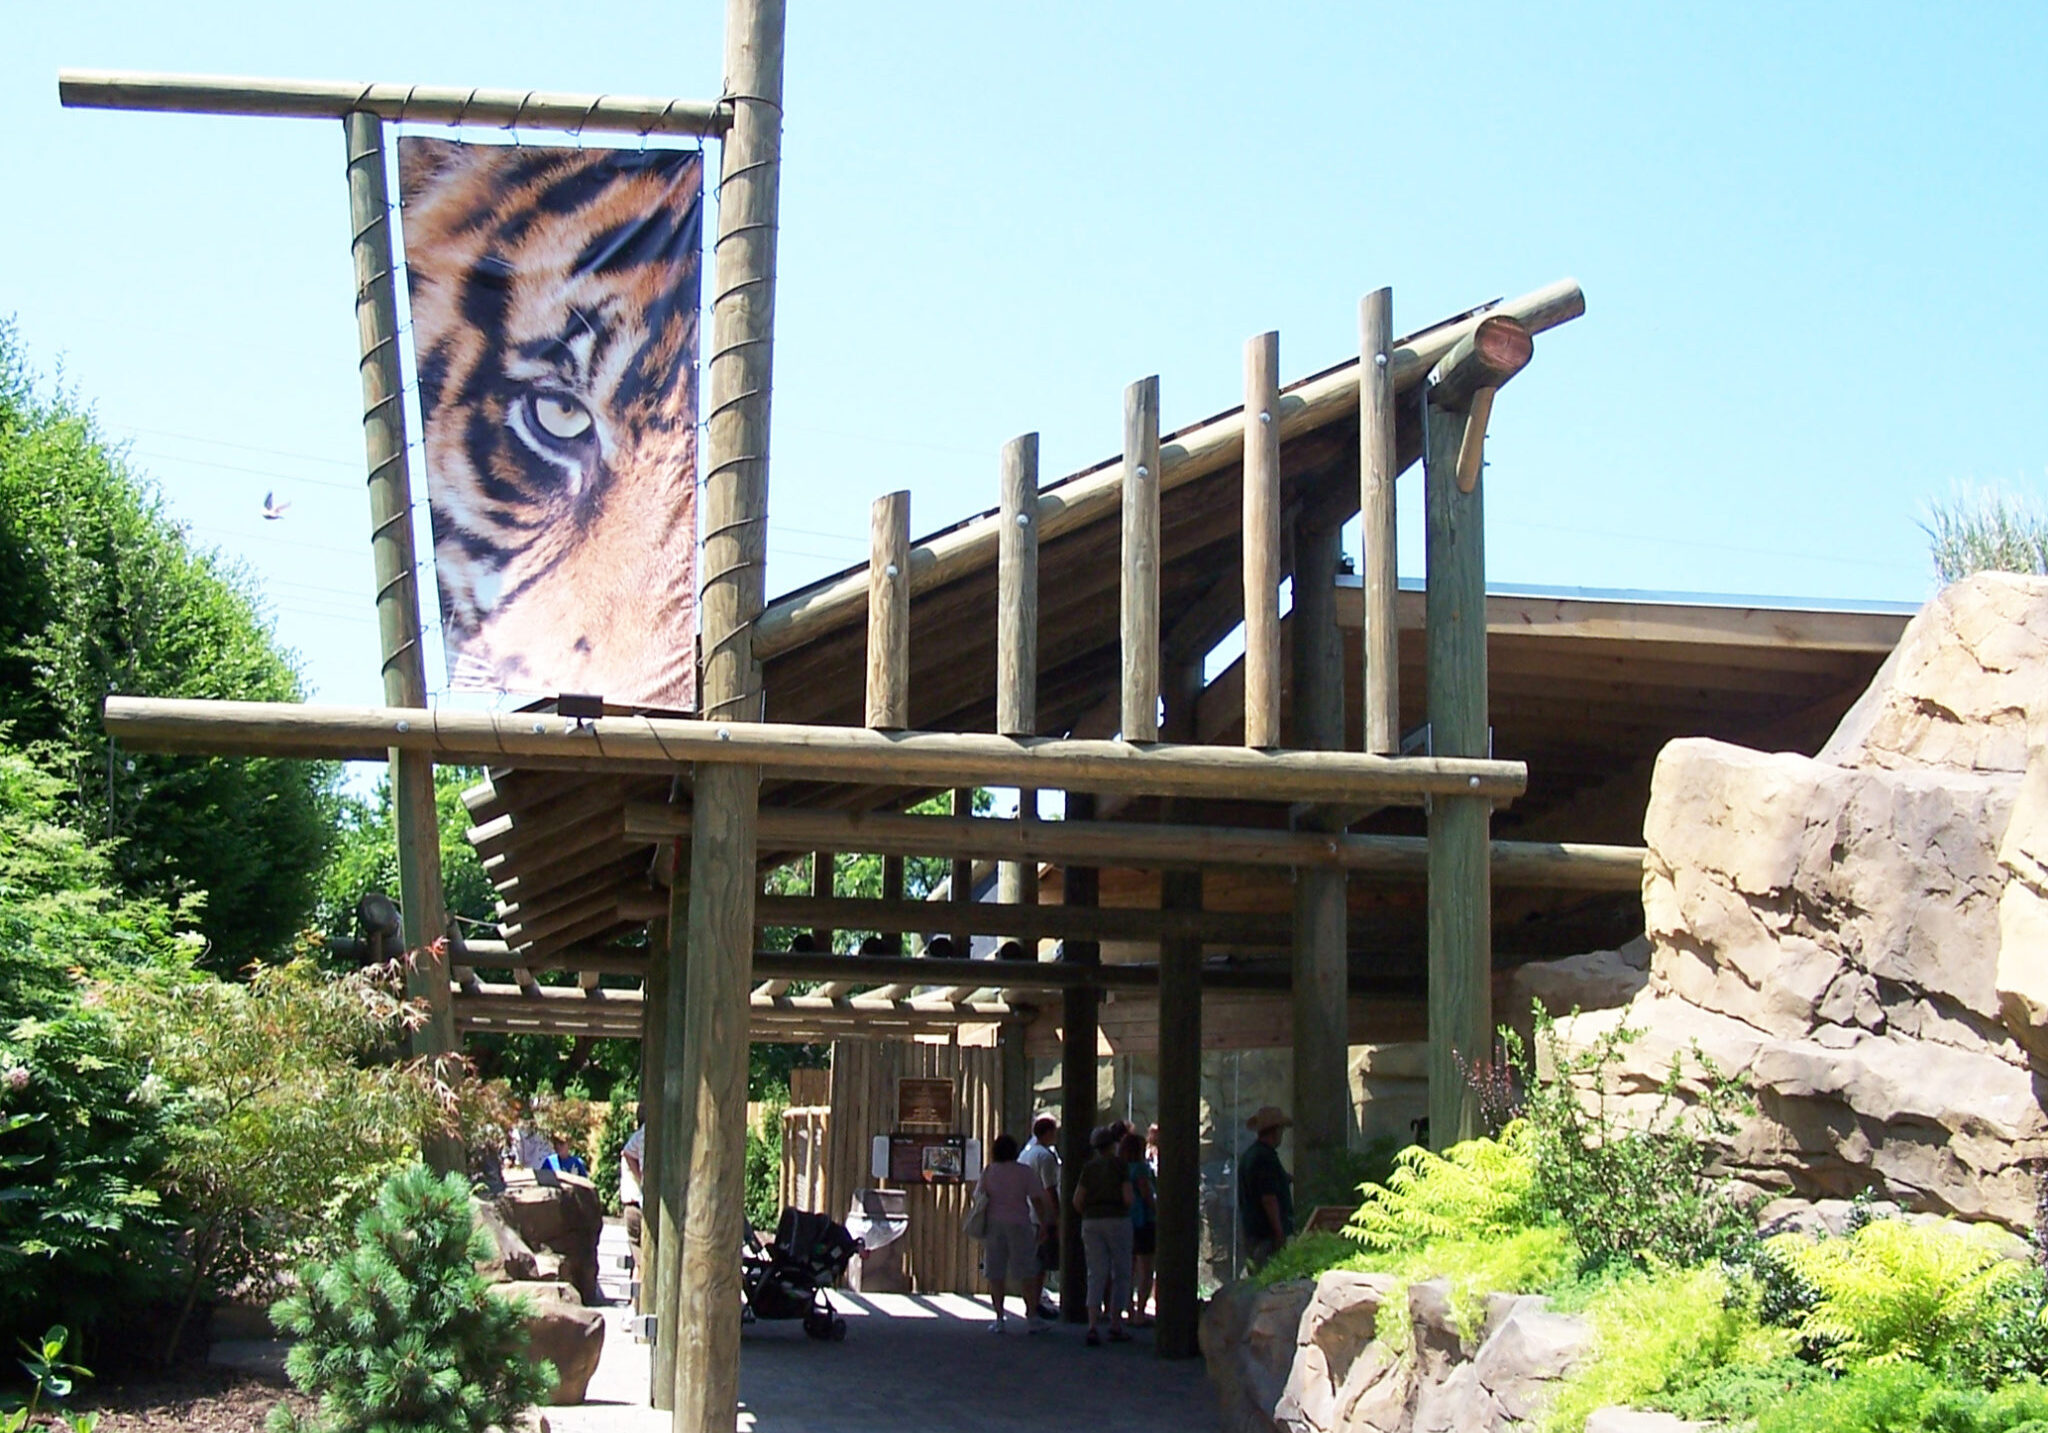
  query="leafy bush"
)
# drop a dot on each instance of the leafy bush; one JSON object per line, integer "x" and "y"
{"x": 1661, "y": 1338}
{"x": 286, "y": 1109}
{"x": 1306, "y": 1256}
{"x": 1344, "y": 1173}
{"x": 1641, "y": 1192}
{"x": 1738, "y": 1392}
{"x": 1478, "y": 1189}
{"x": 100, "y": 591}
{"x": 2009, "y": 1342}
{"x": 612, "y": 1135}
{"x": 1895, "y": 1291}
{"x": 402, "y": 1332}
{"x": 764, "y": 1165}
{"x": 49, "y": 1377}
{"x": 84, "y": 1236}
{"x": 1906, "y": 1398}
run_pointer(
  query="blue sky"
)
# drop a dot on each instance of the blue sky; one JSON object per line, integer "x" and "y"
{"x": 1810, "y": 238}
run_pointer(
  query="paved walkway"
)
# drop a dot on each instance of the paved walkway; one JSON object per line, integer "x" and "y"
{"x": 909, "y": 1361}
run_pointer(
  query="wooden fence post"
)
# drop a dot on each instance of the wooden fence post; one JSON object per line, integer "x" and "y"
{"x": 398, "y": 605}
{"x": 1262, "y": 540}
{"x": 889, "y": 612}
{"x": 1460, "y": 876}
{"x": 1177, "y": 1263}
{"x": 1140, "y": 586}
{"x": 1322, "y": 1091}
{"x": 1377, "y": 469}
{"x": 723, "y": 881}
{"x": 1080, "y": 1009}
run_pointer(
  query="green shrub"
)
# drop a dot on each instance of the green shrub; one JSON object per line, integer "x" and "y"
{"x": 1738, "y": 1392}
{"x": 764, "y": 1166}
{"x": 402, "y": 1333}
{"x": 2009, "y": 1342}
{"x": 1906, "y": 1398}
{"x": 1632, "y": 1191}
{"x": 1895, "y": 1291}
{"x": 1663, "y": 1336}
{"x": 1306, "y": 1256}
{"x": 612, "y": 1135}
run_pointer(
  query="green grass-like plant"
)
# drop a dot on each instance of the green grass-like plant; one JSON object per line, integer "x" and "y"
{"x": 1306, "y": 1256}
{"x": 1478, "y": 1189}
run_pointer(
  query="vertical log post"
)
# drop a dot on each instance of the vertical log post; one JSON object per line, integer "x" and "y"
{"x": 665, "y": 1161}
{"x": 889, "y": 612}
{"x": 1377, "y": 541}
{"x": 398, "y": 604}
{"x": 1460, "y": 879}
{"x": 961, "y": 883}
{"x": 1080, "y": 1011}
{"x": 822, "y": 871}
{"x": 1017, "y": 715}
{"x": 723, "y": 880}
{"x": 653, "y": 1037}
{"x": 1177, "y": 1263}
{"x": 1262, "y": 540}
{"x": 892, "y": 890}
{"x": 1322, "y": 1095}
{"x": 1141, "y": 561}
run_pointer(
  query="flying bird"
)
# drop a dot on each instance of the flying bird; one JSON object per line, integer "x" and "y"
{"x": 272, "y": 508}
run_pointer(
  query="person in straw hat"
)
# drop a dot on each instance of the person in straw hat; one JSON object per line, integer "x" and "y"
{"x": 1265, "y": 1190}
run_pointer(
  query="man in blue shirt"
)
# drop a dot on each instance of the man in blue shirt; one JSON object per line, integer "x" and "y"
{"x": 565, "y": 1160}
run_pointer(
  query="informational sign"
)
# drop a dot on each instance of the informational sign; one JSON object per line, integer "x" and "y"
{"x": 554, "y": 317}
{"x": 924, "y": 1104}
{"x": 927, "y": 1158}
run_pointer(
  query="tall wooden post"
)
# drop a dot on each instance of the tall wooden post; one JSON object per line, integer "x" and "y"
{"x": 1080, "y": 1011}
{"x": 1322, "y": 1099}
{"x": 1140, "y": 585}
{"x": 824, "y": 866}
{"x": 665, "y": 1163}
{"x": 1017, "y": 715}
{"x": 1460, "y": 875}
{"x": 398, "y": 603}
{"x": 722, "y": 852}
{"x": 653, "y": 1044}
{"x": 1377, "y": 469}
{"x": 1262, "y": 540}
{"x": 960, "y": 883}
{"x": 889, "y": 612}
{"x": 1177, "y": 1262}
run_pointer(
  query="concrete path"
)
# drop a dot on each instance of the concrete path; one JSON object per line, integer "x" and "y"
{"x": 909, "y": 1361}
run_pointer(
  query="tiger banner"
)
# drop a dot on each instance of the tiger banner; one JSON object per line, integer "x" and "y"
{"x": 554, "y": 320}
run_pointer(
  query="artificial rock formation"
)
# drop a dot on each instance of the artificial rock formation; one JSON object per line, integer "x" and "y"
{"x": 1301, "y": 1357}
{"x": 564, "y": 1218}
{"x": 1863, "y": 936}
{"x": 561, "y": 1331}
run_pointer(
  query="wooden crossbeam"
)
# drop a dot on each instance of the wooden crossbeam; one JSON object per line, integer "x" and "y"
{"x": 1571, "y": 865}
{"x": 838, "y": 754}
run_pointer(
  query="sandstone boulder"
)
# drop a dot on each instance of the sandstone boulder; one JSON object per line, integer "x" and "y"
{"x": 1960, "y": 688}
{"x": 563, "y": 1217}
{"x": 1336, "y": 1328}
{"x": 1864, "y": 936}
{"x": 514, "y": 1259}
{"x": 561, "y": 1331}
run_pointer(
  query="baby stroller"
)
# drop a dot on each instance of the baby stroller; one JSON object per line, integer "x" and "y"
{"x": 787, "y": 1278}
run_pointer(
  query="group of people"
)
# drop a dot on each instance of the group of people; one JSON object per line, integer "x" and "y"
{"x": 1116, "y": 1197}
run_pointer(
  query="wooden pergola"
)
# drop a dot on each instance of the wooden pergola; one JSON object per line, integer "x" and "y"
{"x": 1359, "y": 749}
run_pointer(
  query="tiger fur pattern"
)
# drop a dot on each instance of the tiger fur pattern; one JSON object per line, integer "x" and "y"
{"x": 554, "y": 313}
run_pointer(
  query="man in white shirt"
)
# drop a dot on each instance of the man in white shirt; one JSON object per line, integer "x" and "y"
{"x": 629, "y": 1178}
{"x": 1042, "y": 1157}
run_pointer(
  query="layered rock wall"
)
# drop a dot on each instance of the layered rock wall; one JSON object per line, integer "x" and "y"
{"x": 1863, "y": 936}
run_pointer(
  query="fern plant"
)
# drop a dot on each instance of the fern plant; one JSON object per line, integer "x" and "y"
{"x": 1479, "y": 1189}
{"x": 1894, "y": 1291}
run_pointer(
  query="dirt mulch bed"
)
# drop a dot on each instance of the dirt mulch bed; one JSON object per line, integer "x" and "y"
{"x": 200, "y": 1400}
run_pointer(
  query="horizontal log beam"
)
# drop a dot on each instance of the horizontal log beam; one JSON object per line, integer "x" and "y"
{"x": 838, "y": 754}
{"x": 1559, "y": 864}
{"x": 1185, "y": 456}
{"x": 1048, "y": 922}
{"x": 427, "y": 104}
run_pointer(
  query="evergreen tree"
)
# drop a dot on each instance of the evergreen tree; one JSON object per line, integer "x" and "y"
{"x": 403, "y": 1334}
